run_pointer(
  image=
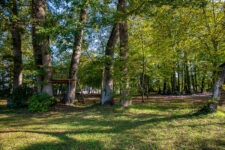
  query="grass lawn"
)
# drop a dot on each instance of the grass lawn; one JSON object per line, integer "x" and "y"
{"x": 142, "y": 126}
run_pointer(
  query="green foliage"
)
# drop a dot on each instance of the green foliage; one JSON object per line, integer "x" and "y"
{"x": 40, "y": 102}
{"x": 213, "y": 100}
{"x": 19, "y": 96}
{"x": 205, "y": 110}
{"x": 90, "y": 73}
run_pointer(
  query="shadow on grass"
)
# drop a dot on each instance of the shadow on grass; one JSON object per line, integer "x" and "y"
{"x": 118, "y": 126}
{"x": 66, "y": 143}
{"x": 164, "y": 107}
{"x": 106, "y": 113}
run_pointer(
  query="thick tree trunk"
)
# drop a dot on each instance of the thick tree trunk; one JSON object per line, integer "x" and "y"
{"x": 17, "y": 57}
{"x": 74, "y": 66}
{"x": 37, "y": 56}
{"x": 47, "y": 66}
{"x": 17, "y": 53}
{"x": 123, "y": 33}
{"x": 107, "y": 94}
{"x": 40, "y": 41}
{"x": 218, "y": 82}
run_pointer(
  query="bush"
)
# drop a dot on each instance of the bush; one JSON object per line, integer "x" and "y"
{"x": 213, "y": 100}
{"x": 40, "y": 102}
{"x": 4, "y": 93}
{"x": 19, "y": 96}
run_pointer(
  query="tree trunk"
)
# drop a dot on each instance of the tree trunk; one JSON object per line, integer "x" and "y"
{"x": 143, "y": 69}
{"x": 17, "y": 53}
{"x": 123, "y": 33}
{"x": 193, "y": 81}
{"x": 173, "y": 83}
{"x": 74, "y": 66}
{"x": 159, "y": 89}
{"x": 196, "y": 81}
{"x": 187, "y": 79}
{"x": 182, "y": 81}
{"x": 178, "y": 80}
{"x": 107, "y": 94}
{"x": 218, "y": 82}
{"x": 164, "y": 87}
{"x": 203, "y": 84}
{"x": 47, "y": 66}
{"x": 40, "y": 42}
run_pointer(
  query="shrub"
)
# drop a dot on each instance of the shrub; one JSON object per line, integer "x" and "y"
{"x": 4, "y": 93}
{"x": 40, "y": 102}
{"x": 19, "y": 96}
{"x": 213, "y": 100}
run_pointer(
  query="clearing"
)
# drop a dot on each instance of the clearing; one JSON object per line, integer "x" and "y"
{"x": 160, "y": 123}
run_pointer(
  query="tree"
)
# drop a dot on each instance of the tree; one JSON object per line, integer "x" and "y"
{"x": 123, "y": 34}
{"x": 107, "y": 94}
{"x": 14, "y": 22}
{"x": 219, "y": 80}
{"x": 74, "y": 66}
{"x": 40, "y": 42}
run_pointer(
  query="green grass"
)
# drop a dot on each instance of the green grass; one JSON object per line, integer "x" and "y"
{"x": 147, "y": 126}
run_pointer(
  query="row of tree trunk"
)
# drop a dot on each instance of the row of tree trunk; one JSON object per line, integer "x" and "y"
{"x": 40, "y": 44}
{"x": 43, "y": 59}
{"x": 120, "y": 30}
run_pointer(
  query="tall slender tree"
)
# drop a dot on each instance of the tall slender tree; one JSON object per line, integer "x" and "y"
{"x": 107, "y": 93}
{"x": 74, "y": 66}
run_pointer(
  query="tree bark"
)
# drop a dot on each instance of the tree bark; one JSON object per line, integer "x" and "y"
{"x": 164, "y": 87}
{"x": 218, "y": 82}
{"x": 143, "y": 69}
{"x": 187, "y": 80}
{"x": 107, "y": 94}
{"x": 17, "y": 52}
{"x": 173, "y": 82}
{"x": 178, "y": 80}
{"x": 74, "y": 66}
{"x": 47, "y": 66}
{"x": 123, "y": 33}
{"x": 40, "y": 42}
{"x": 196, "y": 81}
{"x": 203, "y": 84}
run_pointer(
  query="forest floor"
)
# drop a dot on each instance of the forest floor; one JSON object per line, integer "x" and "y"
{"x": 162, "y": 123}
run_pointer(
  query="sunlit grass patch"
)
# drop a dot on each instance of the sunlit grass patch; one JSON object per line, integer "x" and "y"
{"x": 142, "y": 126}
